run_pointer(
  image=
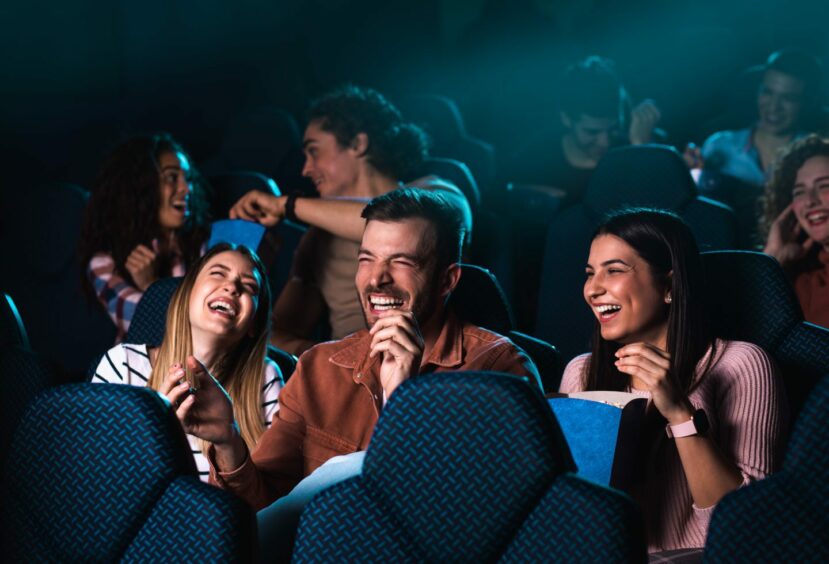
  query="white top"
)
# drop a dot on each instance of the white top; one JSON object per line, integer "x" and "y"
{"x": 130, "y": 364}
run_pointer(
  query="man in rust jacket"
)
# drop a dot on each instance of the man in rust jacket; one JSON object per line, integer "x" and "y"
{"x": 408, "y": 266}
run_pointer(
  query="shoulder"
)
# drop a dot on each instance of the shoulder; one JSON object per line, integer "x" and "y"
{"x": 573, "y": 378}
{"x": 743, "y": 364}
{"x": 120, "y": 361}
{"x": 486, "y": 350}
{"x": 346, "y": 352}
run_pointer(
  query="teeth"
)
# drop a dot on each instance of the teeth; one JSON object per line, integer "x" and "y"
{"x": 608, "y": 308}
{"x": 223, "y": 306}
{"x": 817, "y": 216}
{"x": 384, "y": 303}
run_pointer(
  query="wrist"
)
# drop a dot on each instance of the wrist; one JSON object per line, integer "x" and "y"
{"x": 680, "y": 415}
{"x": 231, "y": 453}
{"x": 290, "y": 207}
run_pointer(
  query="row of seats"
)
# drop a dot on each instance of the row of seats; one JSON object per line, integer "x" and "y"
{"x": 440, "y": 482}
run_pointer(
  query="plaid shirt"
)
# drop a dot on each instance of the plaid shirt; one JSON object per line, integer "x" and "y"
{"x": 118, "y": 297}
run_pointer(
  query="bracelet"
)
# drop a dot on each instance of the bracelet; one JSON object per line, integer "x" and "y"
{"x": 290, "y": 212}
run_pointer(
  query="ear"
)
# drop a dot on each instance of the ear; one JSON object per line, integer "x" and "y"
{"x": 565, "y": 120}
{"x": 669, "y": 283}
{"x": 359, "y": 144}
{"x": 450, "y": 279}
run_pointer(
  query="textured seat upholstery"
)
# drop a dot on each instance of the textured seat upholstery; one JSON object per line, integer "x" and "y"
{"x": 150, "y": 319}
{"x": 750, "y": 299}
{"x": 468, "y": 467}
{"x": 784, "y": 518}
{"x": 99, "y": 473}
{"x": 642, "y": 175}
{"x": 25, "y": 374}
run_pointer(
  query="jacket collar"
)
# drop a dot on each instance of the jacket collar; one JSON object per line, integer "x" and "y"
{"x": 447, "y": 351}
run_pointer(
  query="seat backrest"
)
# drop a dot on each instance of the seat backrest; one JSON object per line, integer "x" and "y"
{"x": 457, "y": 173}
{"x": 12, "y": 330}
{"x": 228, "y": 187}
{"x": 456, "y": 465}
{"x": 479, "y": 299}
{"x": 260, "y": 139}
{"x": 45, "y": 281}
{"x": 642, "y": 175}
{"x": 104, "y": 472}
{"x": 750, "y": 299}
{"x": 440, "y": 117}
{"x": 25, "y": 374}
{"x": 149, "y": 323}
{"x": 783, "y": 518}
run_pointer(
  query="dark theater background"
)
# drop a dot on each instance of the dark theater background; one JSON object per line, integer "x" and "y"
{"x": 78, "y": 77}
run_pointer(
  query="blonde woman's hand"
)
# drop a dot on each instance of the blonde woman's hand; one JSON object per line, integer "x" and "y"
{"x": 205, "y": 412}
{"x": 783, "y": 242}
{"x": 651, "y": 366}
{"x": 141, "y": 266}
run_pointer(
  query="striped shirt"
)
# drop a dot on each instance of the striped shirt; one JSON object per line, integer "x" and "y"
{"x": 744, "y": 401}
{"x": 118, "y": 297}
{"x": 130, "y": 364}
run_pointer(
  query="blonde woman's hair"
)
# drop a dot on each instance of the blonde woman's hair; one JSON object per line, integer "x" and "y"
{"x": 238, "y": 370}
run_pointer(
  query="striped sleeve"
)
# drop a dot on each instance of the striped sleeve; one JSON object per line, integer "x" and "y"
{"x": 270, "y": 391}
{"x": 117, "y": 296}
{"x": 112, "y": 367}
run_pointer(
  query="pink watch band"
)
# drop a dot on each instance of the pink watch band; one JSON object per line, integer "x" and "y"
{"x": 682, "y": 430}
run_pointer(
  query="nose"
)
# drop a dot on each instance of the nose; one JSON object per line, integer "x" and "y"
{"x": 233, "y": 286}
{"x": 593, "y": 287}
{"x": 380, "y": 274}
{"x": 813, "y": 198}
{"x": 603, "y": 140}
{"x": 307, "y": 167}
{"x": 183, "y": 186}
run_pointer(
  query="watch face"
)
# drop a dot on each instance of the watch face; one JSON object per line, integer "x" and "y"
{"x": 701, "y": 422}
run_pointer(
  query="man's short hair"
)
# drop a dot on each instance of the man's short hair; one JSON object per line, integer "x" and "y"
{"x": 412, "y": 203}
{"x": 591, "y": 87}
{"x": 801, "y": 65}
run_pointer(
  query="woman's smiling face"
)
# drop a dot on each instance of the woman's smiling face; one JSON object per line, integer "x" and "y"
{"x": 627, "y": 299}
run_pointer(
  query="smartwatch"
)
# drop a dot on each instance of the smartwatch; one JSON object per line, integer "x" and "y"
{"x": 697, "y": 425}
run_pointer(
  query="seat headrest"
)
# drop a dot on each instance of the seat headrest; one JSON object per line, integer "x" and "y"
{"x": 484, "y": 447}
{"x": 149, "y": 323}
{"x": 749, "y": 298}
{"x": 807, "y": 456}
{"x": 88, "y": 463}
{"x": 640, "y": 175}
{"x": 479, "y": 299}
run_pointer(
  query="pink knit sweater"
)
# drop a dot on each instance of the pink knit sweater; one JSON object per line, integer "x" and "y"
{"x": 743, "y": 397}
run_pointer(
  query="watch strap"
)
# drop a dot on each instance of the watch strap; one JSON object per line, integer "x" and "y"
{"x": 686, "y": 429}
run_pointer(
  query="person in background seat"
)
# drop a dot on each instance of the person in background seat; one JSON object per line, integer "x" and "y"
{"x": 146, "y": 219}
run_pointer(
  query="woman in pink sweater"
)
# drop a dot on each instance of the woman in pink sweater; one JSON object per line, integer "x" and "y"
{"x": 716, "y": 415}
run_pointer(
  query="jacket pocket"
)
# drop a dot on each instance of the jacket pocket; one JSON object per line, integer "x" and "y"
{"x": 320, "y": 446}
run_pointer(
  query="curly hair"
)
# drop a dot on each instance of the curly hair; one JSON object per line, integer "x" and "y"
{"x": 123, "y": 207}
{"x": 397, "y": 149}
{"x": 778, "y": 192}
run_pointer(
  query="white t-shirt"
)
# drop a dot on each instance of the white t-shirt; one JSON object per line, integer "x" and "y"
{"x": 130, "y": 364}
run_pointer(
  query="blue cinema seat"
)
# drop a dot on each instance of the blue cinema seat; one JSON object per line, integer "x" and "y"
{"x": 99, "y": 473}
{"x": 471, "y": 467}
{"x": 784, "y": 518}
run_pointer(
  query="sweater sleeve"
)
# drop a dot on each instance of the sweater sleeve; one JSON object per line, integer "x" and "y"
{"x": 751, "y": 410}
{"x": 117, "y": 296}
{"x": 573, "y": 378}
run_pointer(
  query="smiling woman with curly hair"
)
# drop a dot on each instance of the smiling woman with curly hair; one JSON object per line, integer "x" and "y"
{"x": 796, "y": 222}
{"x": 146, "y": 219}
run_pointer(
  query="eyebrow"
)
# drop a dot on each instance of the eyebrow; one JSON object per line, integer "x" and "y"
{"x": 609, "y": 262}
{"x": 227, "y": 269}
{"x": 170, "y": 167}
{"x": 306, "y": 142}
{"x": 818, "y": 179}
{"x": 409, "y": 256}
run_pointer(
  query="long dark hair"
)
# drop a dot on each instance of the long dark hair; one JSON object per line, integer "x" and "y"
{"x": 666, "y": 243}
{"x": 123, "y": 207}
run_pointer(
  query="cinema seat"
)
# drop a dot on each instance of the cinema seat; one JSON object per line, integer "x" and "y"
{"x": 100, "y": 473}
{"x": 472, "y": 467}
{"x": 783, "y": 518}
